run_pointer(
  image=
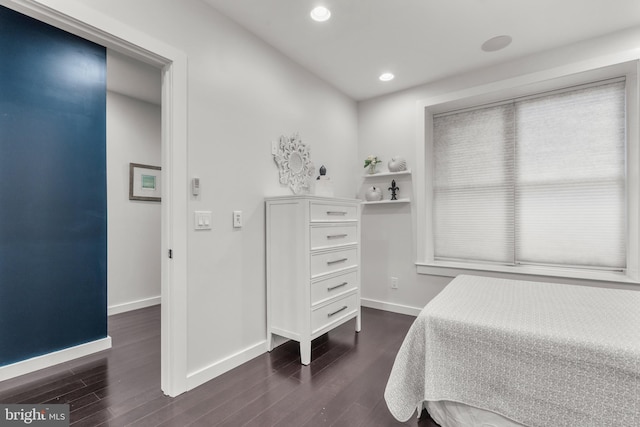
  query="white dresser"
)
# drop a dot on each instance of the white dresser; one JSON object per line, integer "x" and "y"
{"x": 313, "y": 267}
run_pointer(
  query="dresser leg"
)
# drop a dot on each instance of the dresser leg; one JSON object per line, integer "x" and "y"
{"x": 358, "y": 322}
{"x": 305, "y": 352}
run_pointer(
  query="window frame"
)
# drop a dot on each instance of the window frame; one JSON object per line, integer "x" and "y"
{"x": 531, "y": 84}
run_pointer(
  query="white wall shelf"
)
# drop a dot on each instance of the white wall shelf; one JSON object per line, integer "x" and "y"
{"x": 386, "y": 202}
{"x": 374, "y": 175}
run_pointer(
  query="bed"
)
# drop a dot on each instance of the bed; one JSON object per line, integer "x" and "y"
{"x": 507, "y": 353}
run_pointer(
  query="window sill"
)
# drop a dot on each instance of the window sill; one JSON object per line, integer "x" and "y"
{"x": 453, "y": 269}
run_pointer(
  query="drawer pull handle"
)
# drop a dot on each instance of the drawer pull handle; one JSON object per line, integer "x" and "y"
{"x": 335, "y": 261}
{"x": 337, "y": 286}
{"x": 336, "y": 212}
{"x": 336, "y": 236}
{"x": 337, "y": 311}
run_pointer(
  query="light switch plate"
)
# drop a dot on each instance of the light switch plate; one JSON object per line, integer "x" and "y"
{"x": 202, "y": 220}
{"x": 274, "y": 147}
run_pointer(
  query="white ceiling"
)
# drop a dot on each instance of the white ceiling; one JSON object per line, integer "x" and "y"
{"x": 420, "y": 40}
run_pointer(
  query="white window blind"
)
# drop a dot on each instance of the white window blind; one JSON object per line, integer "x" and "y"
{"x": 539, "y": 180}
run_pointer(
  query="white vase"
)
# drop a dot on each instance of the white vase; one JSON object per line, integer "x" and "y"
{"x": 373, "y": 194}
{"x": 397, "y": 164}
{"x": 371, "y": 169}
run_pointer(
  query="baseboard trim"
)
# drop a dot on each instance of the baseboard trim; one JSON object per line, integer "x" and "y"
{"x": 133, "y": 305}
{"x": 54, "y": 358}
{"x": 216, "y": 369}
{"x": 387, "y": 306}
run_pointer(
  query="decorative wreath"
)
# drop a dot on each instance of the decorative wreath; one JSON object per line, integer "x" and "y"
{"x": 293, "y": 159}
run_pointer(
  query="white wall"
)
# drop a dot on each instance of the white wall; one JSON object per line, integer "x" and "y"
{"x": 128, "y": 76}
{"x": 388, "y": 126}
{"x": 133, "y": 231}
{"x": 242, "y": 94}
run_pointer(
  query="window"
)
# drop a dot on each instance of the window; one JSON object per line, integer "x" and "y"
{"x": 539, "y": 181}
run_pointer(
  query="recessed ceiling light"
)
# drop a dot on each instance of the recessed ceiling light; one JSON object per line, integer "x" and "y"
{"x": 320, "y": 14}
{"x": 385, "y": 77}
{"x": 496, "y": 43}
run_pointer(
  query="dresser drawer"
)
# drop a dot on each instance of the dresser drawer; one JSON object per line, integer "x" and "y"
{"x": 325, "y": 236}
{"x": 333, "y": 212}
{"x": 330, "y": 261}
{"x": 328, "y": 288}
{"x": 333, "y": 312}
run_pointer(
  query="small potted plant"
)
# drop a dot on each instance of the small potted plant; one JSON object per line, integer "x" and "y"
{"x": 370, "y": 163}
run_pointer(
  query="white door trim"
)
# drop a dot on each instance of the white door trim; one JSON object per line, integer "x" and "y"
{"x": 78, "y": 19}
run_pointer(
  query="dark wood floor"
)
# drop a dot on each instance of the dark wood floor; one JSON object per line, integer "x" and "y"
{"x": 343, "y": 386}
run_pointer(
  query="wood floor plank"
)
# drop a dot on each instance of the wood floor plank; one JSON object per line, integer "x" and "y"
{"x": 262, "y": 393}
{"x": 343, "y": 386}
{"x": 80, "y": 403}
{"x": 366, "y": 383}
{"x": 123, "y": 403}
{"x": 323, "y": 392}
{"x": 134, "y": 414}
{"x": 89, "y": 415}
{"x": 173, "y": 414}
{"x": 352, "y": 416}
{"x": 222, "y": 402}
{"x": 380, "y": 416}
{"x": 19, "y": 384}
{"x": 322, "y": 382}
{"x": 52, "y": 394}
{"x": 27, "y": 391}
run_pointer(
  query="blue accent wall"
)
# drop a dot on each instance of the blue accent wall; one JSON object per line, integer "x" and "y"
{"x": 53, "y": 201}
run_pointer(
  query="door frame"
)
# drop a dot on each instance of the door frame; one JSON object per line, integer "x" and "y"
{"x": 78, "y": 19}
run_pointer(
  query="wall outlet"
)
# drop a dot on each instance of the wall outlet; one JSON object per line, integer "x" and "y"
{"x": 394, "y": 283}
{"x": 237, "y": 219}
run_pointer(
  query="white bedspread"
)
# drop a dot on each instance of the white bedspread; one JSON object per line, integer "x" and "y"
{"x": 541, "y": 354}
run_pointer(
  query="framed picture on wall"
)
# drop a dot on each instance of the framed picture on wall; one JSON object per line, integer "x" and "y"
{"x": 144, "y": 182}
